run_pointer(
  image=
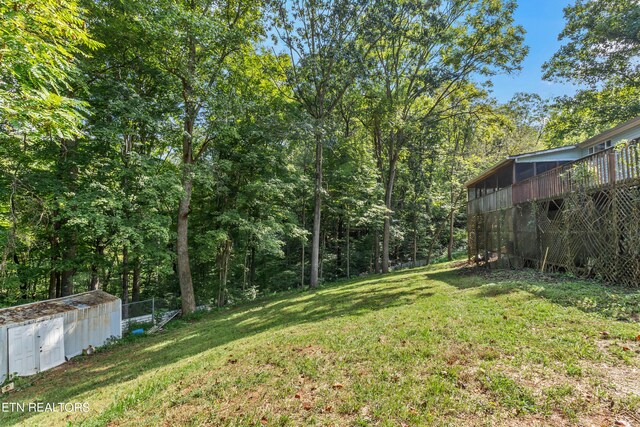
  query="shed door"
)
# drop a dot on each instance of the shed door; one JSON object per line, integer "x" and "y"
{"x": 22, "y": 350}
{"x": 51, "y": 336}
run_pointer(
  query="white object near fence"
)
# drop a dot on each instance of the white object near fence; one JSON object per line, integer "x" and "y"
{"x": 41, "y": 335}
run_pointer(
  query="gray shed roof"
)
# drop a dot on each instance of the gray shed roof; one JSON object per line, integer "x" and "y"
{"x": 35, "y": 310}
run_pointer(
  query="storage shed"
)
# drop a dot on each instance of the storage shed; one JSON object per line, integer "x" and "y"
{"x": 38, "y": 336}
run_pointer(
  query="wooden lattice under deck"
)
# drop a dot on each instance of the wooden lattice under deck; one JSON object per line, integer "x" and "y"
{"x": 583, "y": 218}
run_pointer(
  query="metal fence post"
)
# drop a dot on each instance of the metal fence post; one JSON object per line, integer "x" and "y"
{"x": 153, "y": 309}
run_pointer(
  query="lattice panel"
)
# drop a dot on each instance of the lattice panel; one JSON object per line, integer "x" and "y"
{"x": 595, "y": 234}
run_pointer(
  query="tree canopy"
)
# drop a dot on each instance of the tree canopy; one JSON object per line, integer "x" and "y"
{"x": 211, "y": 152}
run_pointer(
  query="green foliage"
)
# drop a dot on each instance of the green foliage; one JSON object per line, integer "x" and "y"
{"x": 600, "y": 50}
{"x": 39, "y": 43}
{"x": 602, "y": 43}
{"x": 189, "y": 104}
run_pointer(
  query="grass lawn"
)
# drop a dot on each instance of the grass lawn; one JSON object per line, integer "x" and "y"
{"x": 443, "y": 345}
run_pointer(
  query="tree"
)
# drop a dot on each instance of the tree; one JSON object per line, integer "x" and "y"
{"x": 603, "y": 44}
{"x": 327, "y": 49}
{"x": 40, "y": 115}
{"x": 40, "y": 41}
{"x": 428, "y": 52}
{"x": 193, "y": 41}
{"x": 601, "y": 49}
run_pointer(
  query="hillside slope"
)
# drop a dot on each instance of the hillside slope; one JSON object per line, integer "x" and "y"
{"x": 429, "y": 346}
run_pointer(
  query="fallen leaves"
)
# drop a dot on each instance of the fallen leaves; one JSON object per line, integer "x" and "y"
{"x": 337, "y": 386}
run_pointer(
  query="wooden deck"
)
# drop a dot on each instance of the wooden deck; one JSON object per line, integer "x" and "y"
{"x": 497, "y": 200}
{"x": 615, "y": 165}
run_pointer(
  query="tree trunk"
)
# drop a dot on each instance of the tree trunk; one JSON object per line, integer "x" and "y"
{"x": 182, "y": 245}
{"x": 107, "y": 279}
{"x": 434, "y": 239}
{"x": 450, "y": 245}
{"x": 339, "y": 247}
{"x": 323, "y": 237}
{"x": 125, "y": 282}
{"x": 223, "y": 268}
{"x": 136, "y": 280}
{"x": 182, "y": 240}
{"x": 252, "y": 268}
{"x": 67, "y": 275}
{"x": 52, "y": 284}
{"x": 245, "y": 269}
{"x": 58, "y": 284}
{"x": 304, "y": 227}
{"x": 348, "y": 255}
{"x": 415, "y": 246}
{"x": 94, "y": 283}
{"x": 376, "y": 251}
{"x": 302, "y": 265}
{"x": 315, "y": 243}
{"x": 386, "y": 232}
{"x": 69, "y": 172}
{"x": 95, "y": 277}
{"x": 54, "y": 275}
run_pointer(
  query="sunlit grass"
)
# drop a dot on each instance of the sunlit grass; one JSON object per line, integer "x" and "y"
{"x": 429, "y": 346}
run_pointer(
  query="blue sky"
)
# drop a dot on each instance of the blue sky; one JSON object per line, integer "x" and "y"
{"x": 543, "y": 20}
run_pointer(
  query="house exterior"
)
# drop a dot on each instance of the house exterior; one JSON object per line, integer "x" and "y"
{"x": 41, "y": 335}
{"x": 575, "y": 208}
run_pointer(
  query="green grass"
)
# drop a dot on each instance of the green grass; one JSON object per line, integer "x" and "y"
{"x": 428, "y": 346}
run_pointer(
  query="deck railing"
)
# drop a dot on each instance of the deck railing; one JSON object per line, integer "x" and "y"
{"x": 500, "y": 199}
{"x": 619, "y": 164}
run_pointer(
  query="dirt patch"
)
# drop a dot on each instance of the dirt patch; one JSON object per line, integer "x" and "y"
{"x": 309, "y": 350}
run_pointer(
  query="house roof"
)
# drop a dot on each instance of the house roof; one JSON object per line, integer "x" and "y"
{"x": 604, "y": 136}
{"x": 490, "y": 171}
{"x": 514, "y": 158}
{"x": 547, "y": 151}
{"x": 611, "y": 133}
{"x": 35, "y": 310}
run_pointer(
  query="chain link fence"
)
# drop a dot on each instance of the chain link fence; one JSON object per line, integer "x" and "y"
{"x": 145, "y": 313}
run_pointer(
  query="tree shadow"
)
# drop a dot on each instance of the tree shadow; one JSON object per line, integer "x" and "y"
{"x": 611, "y": 301}
{"x": 128, "y": 360}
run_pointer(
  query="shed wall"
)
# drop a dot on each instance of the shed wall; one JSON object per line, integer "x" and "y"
{"x": 91, "y": 326}
{"x": 83, "y": 327}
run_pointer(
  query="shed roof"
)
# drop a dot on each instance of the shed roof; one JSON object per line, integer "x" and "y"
{"x": 35, "y": 310}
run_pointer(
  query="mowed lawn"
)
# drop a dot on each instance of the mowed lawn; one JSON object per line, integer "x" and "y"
{"x": 438, "y": 346}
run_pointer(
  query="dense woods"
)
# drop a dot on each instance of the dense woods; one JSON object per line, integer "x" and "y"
{"x": 217, "y": 150}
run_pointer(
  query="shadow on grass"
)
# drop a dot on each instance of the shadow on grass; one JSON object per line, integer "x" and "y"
{"x": 129, "y": 360}
{"x": 614, "y": 302}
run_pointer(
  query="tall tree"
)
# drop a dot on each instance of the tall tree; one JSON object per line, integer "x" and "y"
{"x": 40, "y": 116}
{"x": 193, "y": 41}
{"x": 327, "y": 47}
{"x": 430, "y": 51}
{"x": 601, "y": 46}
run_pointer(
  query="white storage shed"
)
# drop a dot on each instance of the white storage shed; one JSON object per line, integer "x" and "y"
{"x": 38, "y": 336}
